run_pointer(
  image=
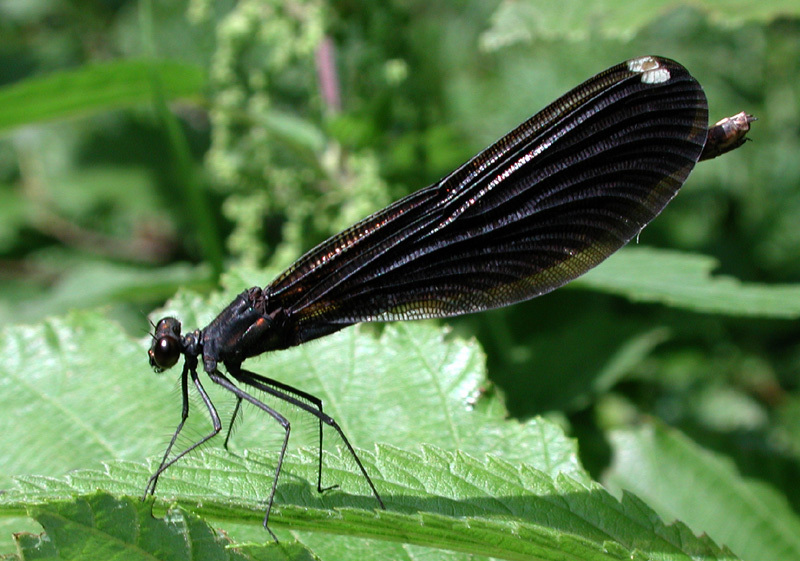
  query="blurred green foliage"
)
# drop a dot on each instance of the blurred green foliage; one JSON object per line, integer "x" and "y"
{"x": 297, "y": 118}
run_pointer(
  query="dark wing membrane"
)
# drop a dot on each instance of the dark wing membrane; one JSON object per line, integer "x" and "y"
{"x": 540, "y": 207}
{"x": 400, "y": 219}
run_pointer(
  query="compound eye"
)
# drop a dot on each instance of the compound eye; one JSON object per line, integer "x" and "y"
{"x": 164, "y": 353}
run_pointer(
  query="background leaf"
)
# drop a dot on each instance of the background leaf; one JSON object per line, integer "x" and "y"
{"x": 666, "y": 461}
{"x": 95, "y": 88}
{"x": 688, "y": 281}
{"x": 527, "y": 21}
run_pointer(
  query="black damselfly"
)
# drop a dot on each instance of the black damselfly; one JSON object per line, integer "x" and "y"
{"x": 540, "y": 207}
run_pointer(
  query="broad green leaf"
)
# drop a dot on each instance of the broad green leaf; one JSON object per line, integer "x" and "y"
{"x": 685, "y": 280}
{"x": 683, "y": 481}
{"x": 76, "y": 390}
{"x": 434, "y": 498}
{"x": 99, "y": 526}
{"x": 82, "y": 374}
{"x": 94, "y": 88}
{"x": 524, "y": 22}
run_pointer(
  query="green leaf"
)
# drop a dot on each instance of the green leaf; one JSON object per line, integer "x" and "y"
{"x": 681, "y": 480}
{"x": 685, "y": 280}
{"x": 435, "y": 498}
{"x": 99, "y": 526}
{"x": 378, "y": 388}
{"x": 94, "y": 88}
{"x": 523, "y": 22}
{"x": 83, "y": 393}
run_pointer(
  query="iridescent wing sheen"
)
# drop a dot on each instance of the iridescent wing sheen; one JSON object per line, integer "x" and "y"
{"x": 540, "y": 207}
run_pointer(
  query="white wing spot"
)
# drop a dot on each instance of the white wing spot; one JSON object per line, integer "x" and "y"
{"x": 651, "y": 70}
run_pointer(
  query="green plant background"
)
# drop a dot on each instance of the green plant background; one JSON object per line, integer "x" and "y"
{"x": 149, "y": 146}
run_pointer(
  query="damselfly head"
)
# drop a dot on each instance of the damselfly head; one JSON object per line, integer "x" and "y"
{"x": 166, "y": 348}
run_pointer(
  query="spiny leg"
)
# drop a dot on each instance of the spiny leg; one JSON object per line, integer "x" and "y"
{"x": 230, "y": 425}
{"x": 151, "y": 484}
{"x": 153, "y": 481}
{"x": 242, "y": 376}
{"x": 253, "y": 380}
{"x": 218, "y": 378}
